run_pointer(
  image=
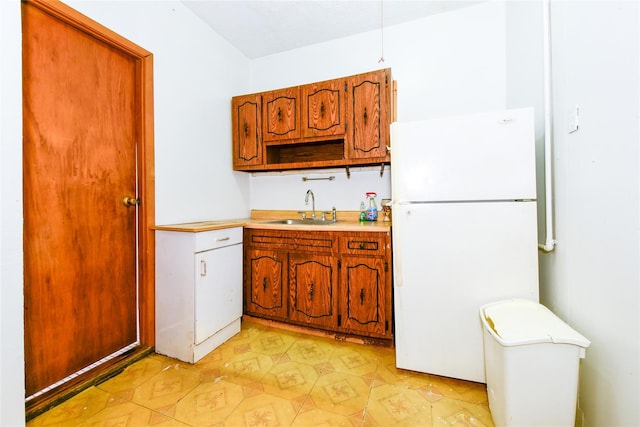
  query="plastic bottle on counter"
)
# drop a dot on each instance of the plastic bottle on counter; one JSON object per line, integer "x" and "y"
{"x": 363, "y": 212}
{"x": 372, "y": 210}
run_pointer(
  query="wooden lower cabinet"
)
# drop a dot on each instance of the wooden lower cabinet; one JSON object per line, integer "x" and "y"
{"x": 334, "y": 281}
{"x": 266, "y": 281}
{"x": 364, "y": 295}
{"x": 313, "y": 288}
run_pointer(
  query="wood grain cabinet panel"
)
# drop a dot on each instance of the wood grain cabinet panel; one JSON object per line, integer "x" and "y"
{"x": 364, "y": 296}
{"x": 324, "y": 109}
{"x": 281, "y": 114}
{"x": 313, "y": 287}
{"x": 370, "y": 116}
{"x": 339, "y": 122}
{"x": 247, "y": 134}
{"x": 334, "y": 281}
{"x": 266, "y": 283}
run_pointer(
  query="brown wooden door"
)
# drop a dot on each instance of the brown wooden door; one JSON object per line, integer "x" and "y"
{"x": 81, "y": 110}
{"x": 281, "y": 114}
{"x": 246, "y": 120}
{"x": 313, "y": 292}
{"x": 324, "y": 108}
{"x": 362, "y": 293}
{"x": 265, "y": 294}
{"x": 369, "y": 116}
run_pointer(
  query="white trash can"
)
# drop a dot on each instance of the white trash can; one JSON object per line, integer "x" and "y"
{"x": 532, "y": 360}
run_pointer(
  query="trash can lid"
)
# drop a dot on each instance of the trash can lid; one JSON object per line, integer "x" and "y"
{"x": 518, "y": 322}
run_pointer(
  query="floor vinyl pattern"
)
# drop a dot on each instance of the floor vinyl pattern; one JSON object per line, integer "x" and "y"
{"x": 269, "y": 377}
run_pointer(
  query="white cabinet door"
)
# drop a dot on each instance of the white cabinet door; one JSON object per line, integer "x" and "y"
{"x": 218, "y": 293}
{"x": 198, "y": 291}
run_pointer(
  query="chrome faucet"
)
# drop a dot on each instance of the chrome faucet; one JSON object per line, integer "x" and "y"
{"x": 313, "y": 203}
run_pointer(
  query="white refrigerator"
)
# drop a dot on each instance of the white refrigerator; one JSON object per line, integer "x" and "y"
{"x": 464, "y": 233}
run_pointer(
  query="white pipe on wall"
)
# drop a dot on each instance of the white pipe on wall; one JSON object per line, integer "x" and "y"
{"x": 550, "y": 242}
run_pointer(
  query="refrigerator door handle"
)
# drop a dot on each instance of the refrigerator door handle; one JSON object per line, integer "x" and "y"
{"x": 398, "y": 227}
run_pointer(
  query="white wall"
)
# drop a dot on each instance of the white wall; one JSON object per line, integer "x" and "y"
{"x": 592, "y": 279}
{"x": 451, "y": 63}
{"x": 447, "y": 64}
{"x": 525, "y": 79}
{"x": 195, "y": 74}
{"x": 11, "y": 301}
{"x": 288, "y": 190}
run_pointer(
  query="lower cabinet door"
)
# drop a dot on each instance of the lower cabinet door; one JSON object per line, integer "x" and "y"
{"x": 363, "y": 295}
{"x": 266, "y": 278}
{"x": 218, "y": 290}
{"x": 313, "y": 290}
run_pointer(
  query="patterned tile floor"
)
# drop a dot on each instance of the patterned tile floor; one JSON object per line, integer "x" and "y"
{"x": 266, "y": 377}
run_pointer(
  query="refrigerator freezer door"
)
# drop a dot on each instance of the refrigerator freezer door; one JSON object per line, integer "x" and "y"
{"x": 449, "y": 260}
{"x": 489, "y": 156}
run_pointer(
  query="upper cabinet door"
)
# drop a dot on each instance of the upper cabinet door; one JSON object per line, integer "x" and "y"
{"x": 324, "y": 108}
{"x": 281, "y": 114}
{"x": 247, "y": 144}
{"x": 370, "y": 115}
{"x": 333, "y": 123}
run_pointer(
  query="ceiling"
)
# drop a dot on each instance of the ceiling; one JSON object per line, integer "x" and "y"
{"x": 264, "y": 27}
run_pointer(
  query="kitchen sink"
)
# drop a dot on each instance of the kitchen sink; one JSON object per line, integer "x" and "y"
{"x": 309, "y": 221}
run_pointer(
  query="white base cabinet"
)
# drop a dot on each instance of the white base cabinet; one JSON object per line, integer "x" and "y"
{"x": 198, "y": 291}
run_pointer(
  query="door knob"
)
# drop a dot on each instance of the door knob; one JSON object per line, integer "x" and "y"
{"x": 130, "y": 201}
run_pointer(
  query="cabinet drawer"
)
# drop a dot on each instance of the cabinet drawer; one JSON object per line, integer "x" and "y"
{"x": 305, "y": 241}
{"x": 371, "y": 245}
{"x": 207, "y": 240}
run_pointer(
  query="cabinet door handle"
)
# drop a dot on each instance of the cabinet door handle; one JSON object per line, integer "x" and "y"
{"x": 246, "y": 130}
{"x": 361, "y": 245}
{"x": 203, "y": 268}
{"x": 264, "y": 284}
{"x": 311, "y": 291}
{"x": 365, "y": 116}
{"x": 362, "y": 296}
{"x": 279, "y": 114}
{"x": 322, "y": 109}
{"x": 223, "y": 239}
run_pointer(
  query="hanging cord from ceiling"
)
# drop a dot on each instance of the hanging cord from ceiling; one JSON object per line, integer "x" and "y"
{"x": 381, "y": 32}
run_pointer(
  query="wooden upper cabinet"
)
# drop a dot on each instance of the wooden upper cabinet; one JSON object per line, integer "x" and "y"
{"x": 246, "y": 119}
{"x": 324, "y": 108}
{"x": 370, "y": 116}
{"x": 281, "y": 114}
{"x": 339, "y": 122}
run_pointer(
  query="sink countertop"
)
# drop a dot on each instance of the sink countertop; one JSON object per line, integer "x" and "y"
{"x": 262, "y": 219}
{"x": 195, "y": 227}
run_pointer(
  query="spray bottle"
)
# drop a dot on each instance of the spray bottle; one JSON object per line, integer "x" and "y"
{"x": 363, "y": 212}
{"x": 372, "y": 209}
